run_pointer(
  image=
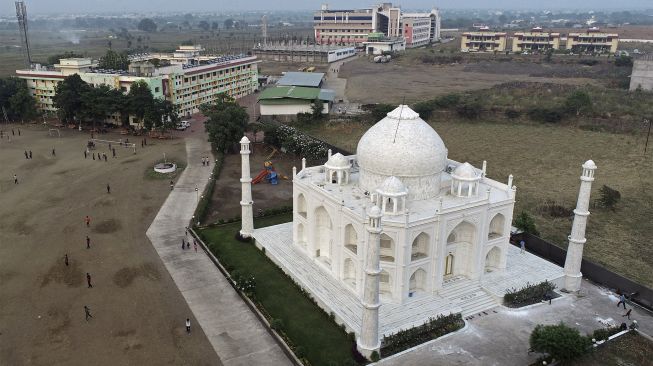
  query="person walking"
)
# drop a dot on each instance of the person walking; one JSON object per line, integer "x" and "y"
{"x": 188, "y": 325}
{"x": 12, "y": 132}
{"x": 87, "y": 311}
{"x": 188, "y": 245}
{"x": 114, "y": 152}
{"x": 172, "y": 185}
{"x": 26, "y": 156}
{"x": 522, "y": 246}
{"x": 108, "y": 188}
{"x": 30, "y": 154}
{"x": 93, "y": 156}
{"x": 65, "y": 259}
{"x": 19, "y": 132}
{"x": 208, "y": 162}
{"x": 183, "y": 244}
{"x": 15, "y": 179}
{"x": 622, "y": 300}
{"x": 628, "y": 313}
{"x": 186, "y": 230}
{"x": 53, "y": 152}
{"x": 88, "y": 242}
{"x": 87, "y": 220}
{"x": 88, "y": 280}
{"x": 85, "y": 154}
{"x": 195, "y": 245}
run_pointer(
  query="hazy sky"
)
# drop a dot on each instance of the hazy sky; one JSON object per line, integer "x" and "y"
{"x": 77, "y": 6}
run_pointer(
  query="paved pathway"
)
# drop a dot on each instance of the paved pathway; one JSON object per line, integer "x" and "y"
{"x": 235, "y": 333}
{"x": 501, "y": 337}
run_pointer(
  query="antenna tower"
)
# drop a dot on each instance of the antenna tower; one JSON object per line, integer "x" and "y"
{"x": 264, "y": 29}
{"x": 21, "y": 15}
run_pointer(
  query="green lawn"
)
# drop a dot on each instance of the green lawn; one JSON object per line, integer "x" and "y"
{"x": 308, "y": 327}
{"x": 629, "y": 349}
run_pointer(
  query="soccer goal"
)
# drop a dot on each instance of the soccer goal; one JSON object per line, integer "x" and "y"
{"x": 116, "y": 143}
{"x": 54, "y": 132}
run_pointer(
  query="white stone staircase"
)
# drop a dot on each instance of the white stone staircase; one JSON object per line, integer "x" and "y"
{"x": 468, "y": 295}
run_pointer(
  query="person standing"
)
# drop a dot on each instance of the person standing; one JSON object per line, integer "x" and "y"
{"x": 85, "y": 154}
{"x": 183, "y": 244}
{"x": 522, "y": 246}
{"x": 12, "y": 132}
{"x": 26, "y": 156}
{"x": 19, "y": 132}
{"x": 195, "y": 245}
{"x": 87, "y": 311}
{"x": 88, "y": 280}
{"x": 93, "y": 156}
{"x": 108, "y": 188}
{"x": 622, "y": 300}
{"x": 172, "y": 185}
{"x": 188, "y": 325}
{"x": 88, "y": 242}
{"x": 87, "y": 219}
{"x": 208, "y": 162}
{"x": 114, "y": 152}
{"x": 15, "y": 179}
{"x": 30, "y": 154}
{"x": 53, "y": 152}
{"x": 65, "y": 259}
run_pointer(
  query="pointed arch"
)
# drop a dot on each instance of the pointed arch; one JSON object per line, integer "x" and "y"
{"x": 387, "y": 248}
{"x": 301, "y": 205}
{"x": 493, "y": 259}
{"x": 417, "y": 282}
{"x": 497, "y": 226}
{"x": 323, "y": 235}
{"x": 351, "y": 238}
{"x": 462, "y": 242}
{"x": 420, "y": 247}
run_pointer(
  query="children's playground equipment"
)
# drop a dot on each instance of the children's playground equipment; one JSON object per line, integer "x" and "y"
{"x": 268, "y": 174}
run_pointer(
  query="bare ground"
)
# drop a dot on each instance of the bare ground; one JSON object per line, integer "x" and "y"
{"x": 138, "y": 312}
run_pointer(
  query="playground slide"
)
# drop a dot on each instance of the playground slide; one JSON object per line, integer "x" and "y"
{"x": 260, "y": 176}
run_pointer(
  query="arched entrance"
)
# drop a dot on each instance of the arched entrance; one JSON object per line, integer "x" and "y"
{"x": 351, "y": 239}
{"x": 387, "y": 250}
{"x": 417, "y": 283}
{"x": 323, "y": 237}
{"x": 448, "y": 265}
{"x": 420, "y": 247}
{"x": 461, "y": 244}
{"x": 493, "y": 259}
{"x": 301, "y": 205}
{"x": 497, "y": 225}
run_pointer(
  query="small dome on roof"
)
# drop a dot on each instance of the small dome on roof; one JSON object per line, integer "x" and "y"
{"x": 244, "y": 140}
{"x": 465, "y": 171}
{"x": 589, "y": 164}
{"x": 337, "y": 161}
{"x": 375, "y": 211}
{"x": 392, "y": 186}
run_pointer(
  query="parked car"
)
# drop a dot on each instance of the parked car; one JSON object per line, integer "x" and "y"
{"x": 182, "y": 125}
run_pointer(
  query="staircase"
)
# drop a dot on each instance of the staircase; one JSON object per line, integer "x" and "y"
{"x": 467, "y": 294}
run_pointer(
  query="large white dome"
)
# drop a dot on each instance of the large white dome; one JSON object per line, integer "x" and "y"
{"x": 404, "y": 146}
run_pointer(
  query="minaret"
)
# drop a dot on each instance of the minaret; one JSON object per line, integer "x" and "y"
{"x": 246, "y": 199}
{"x": 369, "y": 341}
{"x": 577, "y": 239}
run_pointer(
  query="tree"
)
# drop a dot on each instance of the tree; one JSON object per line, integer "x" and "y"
{"x": 147, "y": 25}
{"x": 559, "y": 341}
{"x": 577, "y": 102}
{"x": 54, "y": 59}
{"x": 215, "y": 25}
{"x": 140, "y": 99}
{"x": 229, "y": 23}
{"x": 316, "y": 109}
{"x": 226, "y": 123}
{"x": 16, "y": 99}
{"x": 68, "y": 96}
{"x": 204, "y": 25}
{"x": 98, "y": 102}
{"x": 161, "y": 114}
{"x": 609, "y": 197}
{"x": 114, "y": 60}
{"x": 526, "y": 223}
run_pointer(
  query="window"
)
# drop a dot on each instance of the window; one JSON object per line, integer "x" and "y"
{"x": 156, "y": 90}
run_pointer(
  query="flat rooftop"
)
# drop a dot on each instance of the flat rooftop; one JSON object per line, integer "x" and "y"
{"x": 308, "y": 79}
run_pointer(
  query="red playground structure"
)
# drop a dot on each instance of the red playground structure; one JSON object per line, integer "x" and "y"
{"x": 268, "y": 174}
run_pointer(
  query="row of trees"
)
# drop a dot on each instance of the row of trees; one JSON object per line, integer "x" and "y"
{"x": 226, "y": 122}
{"x": 78, "y": 101}
{"x": 16, "y": 103}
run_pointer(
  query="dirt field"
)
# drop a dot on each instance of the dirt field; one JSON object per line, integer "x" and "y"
{"x": 545, "y": 161}
{"x": 138, "y": 312}
{"x": 369, "y": 82}
{"x": 225, "y": 202}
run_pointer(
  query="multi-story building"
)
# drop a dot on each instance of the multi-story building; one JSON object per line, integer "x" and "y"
{"x": 593, "y": 41}
{"x": 483, "y": 40}
{"x": 535, "y": 40}
{"x": 189, "y": 84}
{"x": 352, "y": 27}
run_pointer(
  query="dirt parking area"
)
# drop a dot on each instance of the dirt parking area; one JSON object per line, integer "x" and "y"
{"x": 225, "y": 202}
{"x": 369, "y": 82}
{"x": 137, "y": 311}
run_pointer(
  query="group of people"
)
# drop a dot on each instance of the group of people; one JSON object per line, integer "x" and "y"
{"x": 66, "y": 261}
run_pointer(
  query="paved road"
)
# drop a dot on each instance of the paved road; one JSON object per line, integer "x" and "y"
{"x": 235, "y": 333}
{"x": 501, "y": 338}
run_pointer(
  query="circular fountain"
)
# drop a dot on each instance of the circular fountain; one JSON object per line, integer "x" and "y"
{"x": 165, "y": 168}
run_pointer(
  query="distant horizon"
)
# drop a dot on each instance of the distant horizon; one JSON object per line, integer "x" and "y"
{"x": 61, "y": 7}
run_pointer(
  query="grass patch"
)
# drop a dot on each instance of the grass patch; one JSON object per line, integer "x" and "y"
{"x": 545, "y": 161}
{"x": 152, "y": 175}
{"x": 629, "y": 349}
{"x": 308, "y": 327}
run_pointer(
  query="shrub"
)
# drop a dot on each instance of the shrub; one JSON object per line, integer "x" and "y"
{"x": 543, "y": 114}
{"x": 277, "y": 324}
{"x": 470, "y": 110}
{"x": 608, "y": 197}
{"x": 296, "y": 142}
{"x": 527, "y": 295}
{"x": 578, "y": 102}
{"x": 622, "y": 61}
{"x": 553, "y": 209}
{"x": 526, "y": 223}
{"x": 588, "y": 62}
{"x": 603, "y": 334}
{"x": 512, "y": 113}
{"x": 424, "y": 109}
{"x": 447, "y": 101}
{"x": 374, "y": 357}
{"x": 433, "y": 328}
{"x": 559, "y": 341}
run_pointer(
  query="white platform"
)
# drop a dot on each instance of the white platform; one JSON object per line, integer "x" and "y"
{"x": 459, "y": 294}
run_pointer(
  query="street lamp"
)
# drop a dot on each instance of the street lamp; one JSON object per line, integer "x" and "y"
{"x": 197, "y": 195}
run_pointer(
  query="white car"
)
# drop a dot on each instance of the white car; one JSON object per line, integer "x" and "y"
{"x": 183, "y": 125}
